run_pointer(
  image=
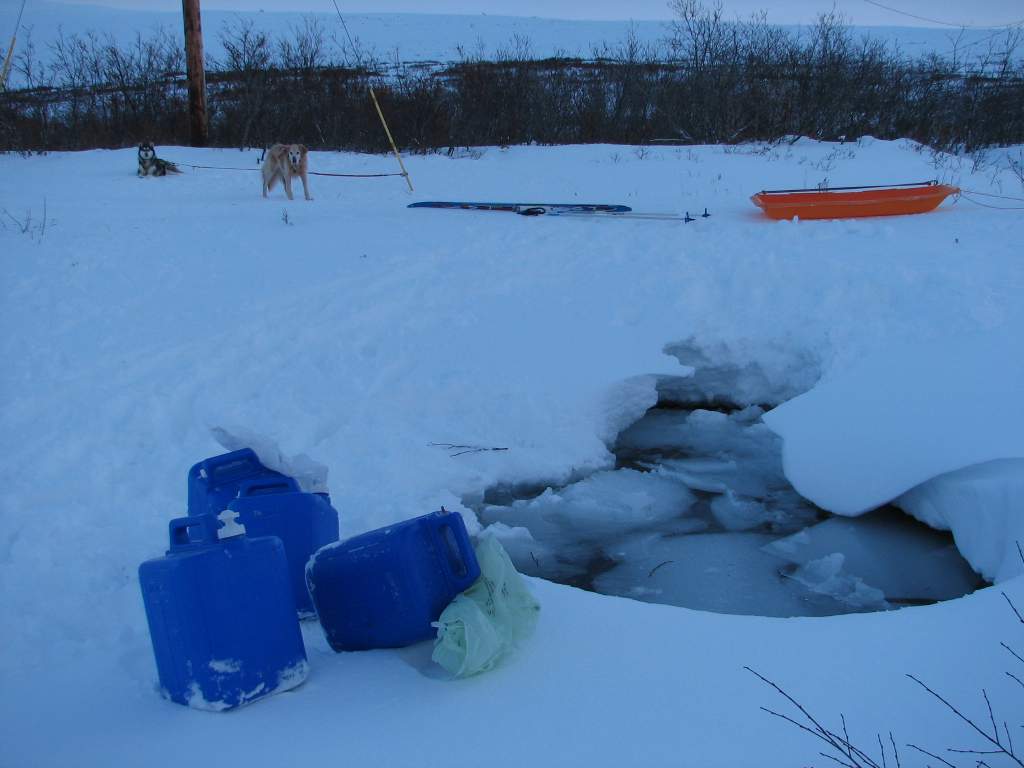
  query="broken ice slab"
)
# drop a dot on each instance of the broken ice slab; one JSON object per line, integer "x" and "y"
{"x": 826, "y": 576}
{"x": 657, "y": 429}
{"x": 699, "y": 432}
{"x": 736, "y": 513}
{"x": 538, "y": 558}
{"x": 780, "y": 512}
{"x": 605, "y": 504}
{"x": 715, "y": 476}
{"x": 719, "y": 572}
{"x": 907, "y": 561}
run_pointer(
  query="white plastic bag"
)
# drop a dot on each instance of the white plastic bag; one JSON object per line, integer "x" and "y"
{"x": 488, "y": 620}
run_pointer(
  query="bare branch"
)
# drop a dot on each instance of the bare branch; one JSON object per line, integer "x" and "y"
{"x": 459, "y": 450}
{"x": 994, "y": 740}
{"x": 835, "y": 759}
{"x": 926, "y": 752}
{"x": 840, "y": 744}
{"x": 1013, "y": 607}
{"x": 1013, "y": 653}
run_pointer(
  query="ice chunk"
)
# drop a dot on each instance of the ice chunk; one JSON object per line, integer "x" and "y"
{"x": 545, "y": 548}
{"x": 906, "y": 561}
{"x": 826, "y": 577}
{"x": 709, "y": 475}
{"x": 604, "y": 504}
{"x": 720, "y": 572}
{"x": 710, "y": 433}
{"x": 710, "y": 451}
{"x": 983, "y": 506}
{"x": 539, "y": 558}
{"x": 701, "y": 433}
{"x": 790, "y": 511}
{"x": 658, "y": 429}
{"x": 735, "y": 513}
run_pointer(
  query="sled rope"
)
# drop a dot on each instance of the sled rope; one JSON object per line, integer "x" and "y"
{"x": 845, "y": 189}
{"x": 989, "y": 194}
{"x": 968, "y": 196}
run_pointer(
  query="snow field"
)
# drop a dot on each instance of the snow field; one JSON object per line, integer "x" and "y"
{"x": 155, "y": 321}
{"x": 421, "y": 38}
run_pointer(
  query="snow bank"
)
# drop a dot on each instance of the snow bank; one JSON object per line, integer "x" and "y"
{"x": 983, "y": 506}
{"x": 740, "y": 372}
{"x": 902, "y": 415}
{"x": 157, "y": 320}
{"x": 922, "y": 417}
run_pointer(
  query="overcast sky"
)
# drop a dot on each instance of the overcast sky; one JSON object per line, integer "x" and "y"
{"x": 952, "y": 12}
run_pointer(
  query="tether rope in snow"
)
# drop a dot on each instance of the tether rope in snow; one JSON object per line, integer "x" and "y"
{"x": 968, "y": 197}
{"x": 969, "y": 194}
{"x": 311, "y": 173}
{"x": 989, "y": 194}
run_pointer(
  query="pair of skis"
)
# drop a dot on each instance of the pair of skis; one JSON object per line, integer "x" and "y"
{"x": 593, "y": 210}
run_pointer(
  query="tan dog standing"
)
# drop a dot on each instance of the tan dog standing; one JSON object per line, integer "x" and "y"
{"x": 285, "y": 162}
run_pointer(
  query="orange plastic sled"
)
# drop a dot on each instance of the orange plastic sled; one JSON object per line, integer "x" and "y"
{"x": 853, "y": 202}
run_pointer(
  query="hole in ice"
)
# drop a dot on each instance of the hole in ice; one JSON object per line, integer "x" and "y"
{"x": 697, "y": 513}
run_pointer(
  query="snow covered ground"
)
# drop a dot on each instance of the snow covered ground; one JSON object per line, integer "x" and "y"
{"x": 146, "y": 324}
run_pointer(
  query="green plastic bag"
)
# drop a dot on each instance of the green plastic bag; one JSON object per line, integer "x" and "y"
{"x": 488, "y": 620}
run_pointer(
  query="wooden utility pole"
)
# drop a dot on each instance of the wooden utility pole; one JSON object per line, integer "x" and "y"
{"x": 196, "y": 72}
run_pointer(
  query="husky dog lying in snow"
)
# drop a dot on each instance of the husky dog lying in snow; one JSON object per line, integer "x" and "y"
{"x": 151, "y": 165}
{"x": 284, "y": 162}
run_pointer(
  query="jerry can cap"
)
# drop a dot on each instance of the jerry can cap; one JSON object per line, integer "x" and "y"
{"x": 206, "y": 529}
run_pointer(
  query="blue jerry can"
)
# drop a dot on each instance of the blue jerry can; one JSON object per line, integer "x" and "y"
{"x": 213, "y": 482}
{"x": 304, "y": 522}
{"x": 382, "y": 589}
{"x": 221, "y": 616}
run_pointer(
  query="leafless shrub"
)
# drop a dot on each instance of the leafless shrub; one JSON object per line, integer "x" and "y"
{"x": 27, "y": 224}
{"x": 994, "y": 739}
{"x": 1016, "y": 166}
{"x": 305, "y": 50}
{"x": 712, "y": 81}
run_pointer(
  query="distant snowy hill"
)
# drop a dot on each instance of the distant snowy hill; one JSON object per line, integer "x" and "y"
{"x": 422, "y": 37}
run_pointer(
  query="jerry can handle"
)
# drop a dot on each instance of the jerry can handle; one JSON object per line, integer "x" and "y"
{"x": 267, "y": 485}
{"x": 457, "y": 555}
{"x": 179, "y": 530}
{"x": 230, "y": 463}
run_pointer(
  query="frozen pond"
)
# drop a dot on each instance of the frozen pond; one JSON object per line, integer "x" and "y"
{"x": 697, "y": 513}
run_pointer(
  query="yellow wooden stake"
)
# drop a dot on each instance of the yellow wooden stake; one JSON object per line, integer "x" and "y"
{"x": 9, "y": 58}
{"x": 373, "y": 97}
{"x": 387, "y": 130}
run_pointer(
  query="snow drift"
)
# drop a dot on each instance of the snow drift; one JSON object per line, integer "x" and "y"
{"x": 906, "y": 414}
{"x": 152, "y": 318}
